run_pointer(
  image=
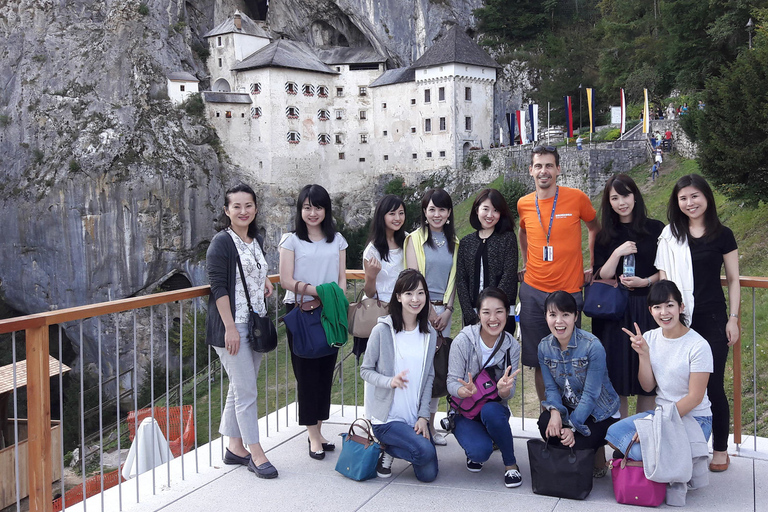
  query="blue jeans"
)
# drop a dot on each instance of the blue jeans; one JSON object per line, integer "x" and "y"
{"x": 402, "y": 442}
{"x": 477, "y": 436}
{"x": 621, "y": 433}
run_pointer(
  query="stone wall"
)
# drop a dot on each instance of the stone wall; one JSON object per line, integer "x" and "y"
{"x": 683, "y": 145}
{"x": 587, "y": 169}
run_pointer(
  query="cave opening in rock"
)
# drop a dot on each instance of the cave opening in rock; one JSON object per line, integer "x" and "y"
{"x": 256, "y": 9}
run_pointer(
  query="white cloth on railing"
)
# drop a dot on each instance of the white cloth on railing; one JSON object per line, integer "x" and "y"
{"x": 149, "y": 450}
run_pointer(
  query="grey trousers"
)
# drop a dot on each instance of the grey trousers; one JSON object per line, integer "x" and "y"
{"x": 241, "y": 414}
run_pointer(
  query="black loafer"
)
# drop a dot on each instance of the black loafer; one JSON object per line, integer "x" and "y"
{"x": 327, "y": 447}
{"x": 316, "y": 455}
{"x": 266, "y": 470}
{"x": 232, "y": 459}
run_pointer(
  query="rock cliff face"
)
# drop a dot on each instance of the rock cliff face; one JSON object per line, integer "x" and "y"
{"x": 106, "y": 187}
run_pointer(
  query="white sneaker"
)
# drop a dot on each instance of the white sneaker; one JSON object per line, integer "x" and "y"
{"x": 439, "y": 439}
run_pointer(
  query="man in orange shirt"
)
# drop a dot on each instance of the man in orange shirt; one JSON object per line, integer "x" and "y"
{"x": 550, "y": 243}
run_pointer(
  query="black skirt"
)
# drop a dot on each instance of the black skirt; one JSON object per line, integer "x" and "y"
{"x": 622, "y": 361}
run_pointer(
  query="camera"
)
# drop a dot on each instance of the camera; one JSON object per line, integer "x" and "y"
{"x": 449, "y": 422}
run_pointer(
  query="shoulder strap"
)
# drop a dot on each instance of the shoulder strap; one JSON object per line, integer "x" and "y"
{"x": 245, "y": 284}
{"x": 495, "y": 349}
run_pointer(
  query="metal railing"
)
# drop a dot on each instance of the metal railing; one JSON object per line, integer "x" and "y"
{"x": 156, "y": 312}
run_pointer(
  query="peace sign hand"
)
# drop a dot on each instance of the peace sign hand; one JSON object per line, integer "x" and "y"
{"x": 639, "y": 344}
{"x": 399, "y": 380}
{"x": 468, "y": 387}
{"x": 505, "y": 383}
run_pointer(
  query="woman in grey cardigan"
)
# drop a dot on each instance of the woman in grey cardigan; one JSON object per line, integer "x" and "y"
{"x": 486, "y": 346}
{"x": 398, "y": 372}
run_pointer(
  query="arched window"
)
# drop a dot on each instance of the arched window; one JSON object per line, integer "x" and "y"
{"x": 256, "y": 88}
{"x": 308, "y": 90}
{"x": 324, "y": 139}
{"x": 323, "y": 114}
{"x": 291, "y": 88}
{"x": 255, "y": 112}
{"x": 322, "y": 91}
{"x": 293, "y": 137}
{"x": 292, "y": 112}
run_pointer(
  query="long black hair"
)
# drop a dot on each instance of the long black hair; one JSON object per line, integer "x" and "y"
{"x": 497, "y": 200}
{"x": 623, "y": 185}
{"x": 678, "y": 221}
{"x": 560, "y": 301}
{"x": 317, "y": 196}
{"x": 241, "y": 187}
{"x": 441, "y": 199}
{"x": 409, "y": 279}
{"x": 660, "y": 293}
{"x": 378, "y": 233}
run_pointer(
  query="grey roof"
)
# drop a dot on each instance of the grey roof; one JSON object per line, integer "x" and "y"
{"x": 350, "y": 55}
{"x": 249, "y": 27}
{"x": 395, "y": 76}
{"x": 226, "y": 97}
{"x": 182, "y": 75}
{"x": 284, "y": 53}
{"x": 455, "y": 46}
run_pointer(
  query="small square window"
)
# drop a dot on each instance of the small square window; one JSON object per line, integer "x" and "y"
{"x": 427, "y": 95}
{"x": 229, "y": 114}
{"x": 386, "y": 157}
{"x": 468, "y": 123}
{"x": 220, "y": 63}
{"x": 242, "y": 114}
{"x": 363, "y": 114}
{"x": 413, "y": 101}
{"x": 218, "y": 114}
{"x": 339, "y": 139}
{"x": 429, "y": 154}
{"x": 182, "y": 88}
{"x": 413, "y": 129}
{"x": 442, "y": 154}
{"x": 339, "y": 114}
{"x": 218, "y": 41}
{"x": 385, "y": 133}
{"x": 441, "y": 94}
{"x": 363, "y": 91}
{"x": 339, "y": 91}
{"x": 362, "y": 159}
{"x": 341, "y": 156}
{"x": 383, "y": 106}
{"x": 363, "y": 138}
{"x": 468, "y": 94}
{"x": 338, "y": 68}
{"x": 414, "y": 156}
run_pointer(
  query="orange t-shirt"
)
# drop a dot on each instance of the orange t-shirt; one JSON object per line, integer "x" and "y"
{"x": 565, "y": 271}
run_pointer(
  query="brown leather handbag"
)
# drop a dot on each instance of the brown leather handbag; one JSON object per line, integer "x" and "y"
{"x": 362, "y": 315}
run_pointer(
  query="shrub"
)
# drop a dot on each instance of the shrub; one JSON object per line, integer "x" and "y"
{"x": 5, "y": 120}
{"x": 512, "y": 190}
{"x": 38, "y": 155}
{"x": 485, "y": 161}
{"x": 74, "y": 165}
{"x": 143, "y": 9}
{"x": 194, "y": 105}
{"x": 202, "y": 50}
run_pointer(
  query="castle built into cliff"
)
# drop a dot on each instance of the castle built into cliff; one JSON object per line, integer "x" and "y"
{"x": 291, "y": 114}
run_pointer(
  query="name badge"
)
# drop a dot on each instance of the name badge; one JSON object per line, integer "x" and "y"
{"x": 548, "y": 253}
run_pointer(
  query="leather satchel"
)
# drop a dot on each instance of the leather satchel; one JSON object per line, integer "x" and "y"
{"x": 362, "y": 315}
{"x": 262, "y": 334}
{"x": 631, "y": 487}
{"x": 605, "y": 299}
{"x": 303, "y": 321}
{"x": 560, "y": 472}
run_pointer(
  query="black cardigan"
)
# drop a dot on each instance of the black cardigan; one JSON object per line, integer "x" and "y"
{"x": 221, "y": 267}
{"x": 502, "y": 270}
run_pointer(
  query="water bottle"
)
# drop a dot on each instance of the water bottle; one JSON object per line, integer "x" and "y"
{"x": 629, "y": 265}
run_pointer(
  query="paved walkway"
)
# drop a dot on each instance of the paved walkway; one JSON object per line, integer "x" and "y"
{"x": 309, "y": 485}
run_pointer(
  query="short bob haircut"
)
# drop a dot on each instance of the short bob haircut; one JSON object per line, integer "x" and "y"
{"x": 378, "y": 233}
{"x": 319, "y": 197}
{"x": 493, "y": 292}
{"x": 623, "y": 185}
{"x": 497, "y": 200}
{"x": 241, "y": 187}
{"x": 546, "y": 150}
{"x": 679, "y": 221}
{"x": 409, "y": 279}
{"x": 661, "y": 292}
{"x": 560, "y": 301}
{"x": 441, "y": 199}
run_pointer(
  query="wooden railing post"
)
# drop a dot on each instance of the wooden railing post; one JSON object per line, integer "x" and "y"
{"x": 40, "y": 469}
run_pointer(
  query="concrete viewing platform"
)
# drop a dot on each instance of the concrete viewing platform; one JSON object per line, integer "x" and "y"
{"x": 305, "y": 484}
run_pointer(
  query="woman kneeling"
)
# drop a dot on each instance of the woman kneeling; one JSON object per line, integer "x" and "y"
{"x": 486, "y": 347}
{"x": 398, "y": 372}
{"x": 579, "y": 391}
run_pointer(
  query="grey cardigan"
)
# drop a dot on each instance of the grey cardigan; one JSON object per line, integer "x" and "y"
{"x": 466, "y": 357}
{"x": 378, "y": 369}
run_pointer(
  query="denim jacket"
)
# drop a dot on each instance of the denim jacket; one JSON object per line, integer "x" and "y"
{"x": 583, "y": 364}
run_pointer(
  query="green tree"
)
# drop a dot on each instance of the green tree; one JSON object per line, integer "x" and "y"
{"x": 733, "y": 128}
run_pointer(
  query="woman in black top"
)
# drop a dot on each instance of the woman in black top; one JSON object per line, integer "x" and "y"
{"x": 626, "y": 229}
{"x": 693, "y": 221}
{"x": 487, "y": 257}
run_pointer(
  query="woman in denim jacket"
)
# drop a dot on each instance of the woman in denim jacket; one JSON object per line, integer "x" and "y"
{"x": 581, "y": 403}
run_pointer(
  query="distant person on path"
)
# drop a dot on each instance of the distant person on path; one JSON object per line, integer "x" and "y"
{"x": 701, "y": 105}
{"x": 692, "y": 250}
{"x": 654, "y": 171}
{"x": 658, "y": 157}
{"x": 550, "y": 246}
{"x": 238, "y": 245}
{"x": 579, "y": 142}
{"x": 670, "y": 111}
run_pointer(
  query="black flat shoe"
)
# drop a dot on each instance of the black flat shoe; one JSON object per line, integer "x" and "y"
{"x": 327, "y": 447}
{"x": 266, "y": 470}
{"x": 232, "y": 459}
{"x": 316, "y": 455}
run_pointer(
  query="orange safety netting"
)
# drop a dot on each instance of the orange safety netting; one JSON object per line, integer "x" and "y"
{"x": 178, "y": 416}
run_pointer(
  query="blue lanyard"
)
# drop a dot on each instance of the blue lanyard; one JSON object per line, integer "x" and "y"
{"x": 551, "y": 217}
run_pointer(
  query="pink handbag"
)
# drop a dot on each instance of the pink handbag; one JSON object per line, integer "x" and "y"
{"x": 630, "y": 485}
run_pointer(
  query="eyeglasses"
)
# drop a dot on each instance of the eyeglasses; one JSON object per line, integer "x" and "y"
{"x": 542, "y": 149}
